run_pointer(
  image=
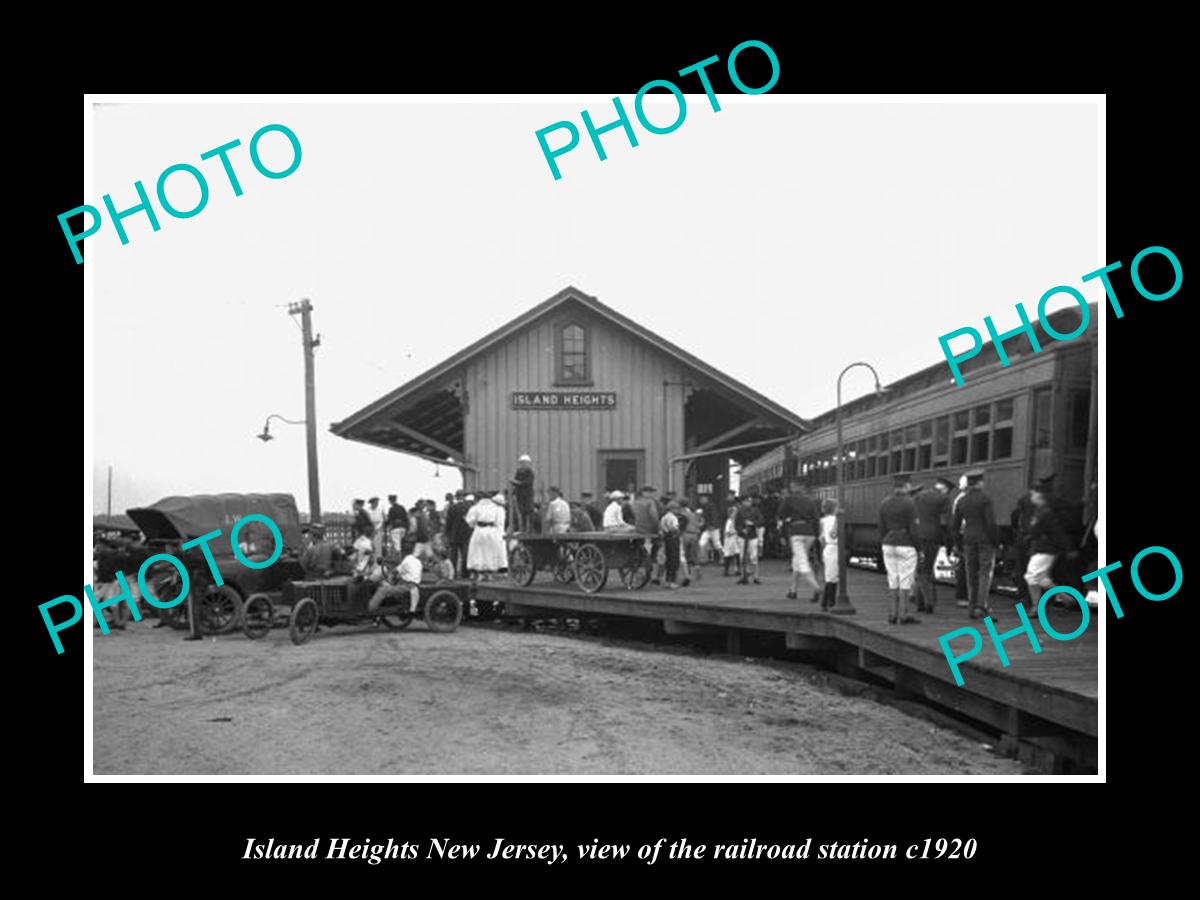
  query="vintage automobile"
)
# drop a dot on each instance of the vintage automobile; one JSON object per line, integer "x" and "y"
{"x": 175, "y": 520}
{"x": 342, "y": 599}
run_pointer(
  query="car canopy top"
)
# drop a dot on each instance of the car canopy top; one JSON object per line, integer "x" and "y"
{"x": 184, "y": 518}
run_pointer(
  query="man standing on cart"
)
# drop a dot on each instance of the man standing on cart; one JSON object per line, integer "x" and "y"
{"x": 522, "y": 482}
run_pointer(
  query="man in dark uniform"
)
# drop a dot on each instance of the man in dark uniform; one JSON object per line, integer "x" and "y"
{"x": 1021, "y": 521}
{"x": 748, "y": 523}
{"x": 897, "y": 525}
{"x": 770, "y": 515}
{"x": 581, "y": 520}
{"x": 1045, "y": 541}
{"x": 396, "y": 524}
{"x": 647, "y": 514}
{"x": 976, "y": 515}
{"x": 522, "y": 484}
{"x": 458, "y": 532}
{"x": 594, "y": 510}
{"x": 933, "y": 511}
{"x": 800, "y": 517}
{"x": 362, "y": 521}
{"x": 318, "y": 558}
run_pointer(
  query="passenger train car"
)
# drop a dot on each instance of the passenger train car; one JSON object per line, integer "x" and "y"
{"x": 1019, "y": 423}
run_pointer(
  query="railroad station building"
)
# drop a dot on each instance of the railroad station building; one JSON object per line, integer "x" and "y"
{"x": 597, "y": 400}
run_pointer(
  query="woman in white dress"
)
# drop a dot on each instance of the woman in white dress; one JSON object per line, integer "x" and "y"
{"x": 486, "y": 552}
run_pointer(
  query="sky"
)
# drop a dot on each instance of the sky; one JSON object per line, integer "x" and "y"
{"x": 777, "y": 239}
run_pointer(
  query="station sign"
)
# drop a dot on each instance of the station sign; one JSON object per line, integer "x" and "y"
{"x": 563, "y": 400}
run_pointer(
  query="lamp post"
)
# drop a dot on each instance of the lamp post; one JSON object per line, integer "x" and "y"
{"x": 314, "y": 507}
{"x": 266, "y": 432}
{"x": 843, "y": 607}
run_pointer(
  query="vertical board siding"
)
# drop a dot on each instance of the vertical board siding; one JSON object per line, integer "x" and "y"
{"x": 563, "y": 444}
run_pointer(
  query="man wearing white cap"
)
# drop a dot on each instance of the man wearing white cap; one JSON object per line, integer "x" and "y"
{"x": 614, "y": 513}
{"x": 522, "y": 482}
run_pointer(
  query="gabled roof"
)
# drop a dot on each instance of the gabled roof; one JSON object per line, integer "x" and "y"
{"x": 514, "y": 326}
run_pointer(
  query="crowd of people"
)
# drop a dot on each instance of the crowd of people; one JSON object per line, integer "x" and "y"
{"x": 916, "y": 522}
{"x": 471, "y": 533}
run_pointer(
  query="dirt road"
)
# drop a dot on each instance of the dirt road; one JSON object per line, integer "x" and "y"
{"x": 488, "y": 701}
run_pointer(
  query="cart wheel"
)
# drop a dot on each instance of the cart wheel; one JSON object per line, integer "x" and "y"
{"x": 591, "y": 571}
{"x": 397, "y": 621}
{"x": 304, "y": 620}
{"x": 443, "y": 611}
{"x": 220, "y": 609}
{"x": 256, "y": 616}
{"x": 635, "y": 574}
{"x": 564, "y": 564}
{"x": 520, "y": 565}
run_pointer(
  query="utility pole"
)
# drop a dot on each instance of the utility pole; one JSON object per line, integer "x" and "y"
{"x": 304, "y": 309}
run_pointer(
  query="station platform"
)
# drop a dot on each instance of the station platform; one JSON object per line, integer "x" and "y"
{"x": 1044, "y": 705}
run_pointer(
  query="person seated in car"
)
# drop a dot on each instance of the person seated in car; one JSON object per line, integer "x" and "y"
{"x": 319, "y": 557}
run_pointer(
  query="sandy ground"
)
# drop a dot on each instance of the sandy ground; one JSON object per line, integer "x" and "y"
{"x": 489, "y": 700}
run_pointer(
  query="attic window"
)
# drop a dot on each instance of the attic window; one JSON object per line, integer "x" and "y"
{"x": 573, "y": 355}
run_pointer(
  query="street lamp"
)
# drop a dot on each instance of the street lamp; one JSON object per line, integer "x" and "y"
{"x": 266, "y": 432}
{"x": 843, "y": 607}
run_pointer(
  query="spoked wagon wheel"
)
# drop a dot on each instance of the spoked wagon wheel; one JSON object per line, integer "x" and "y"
{"x": 520, "y": 565}
{"x": 564, "y": 564}
{"x": 304, "y": 620}
{"x": 443, "y": 611}
{"x": 220, "y": 609}
{"x": 397, "y": 621}
{"x": 257, "y": 615}
{"x": 635, "y": 573}
{"x": 591, "y": 571}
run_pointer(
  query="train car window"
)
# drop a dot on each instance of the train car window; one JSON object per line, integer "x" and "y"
{"x": 1002, "y": 442}
{"x": 979, "y": 446}
{"x": 925, "y": 458}
{"x": 941, "y": 445}
{"x": 871, "y": 466}
{"x": 883, "y": 463}
{"x": 861, "y": 463}
{"x": 926, "y": 429}
{"x": 871, "y": 443}
{"x": 910, "y": 434}
{"x": 910, "y": 459}
{"x": 962, "y": 420}
{"x": 983, "y": 415}
{"x": 896, "y": 459}
{"x": 1004, "y": 410}
{"x": 883, "y": 441}
{"x": 959, "y": 456}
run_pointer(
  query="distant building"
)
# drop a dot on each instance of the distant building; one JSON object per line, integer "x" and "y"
{"x": 598, "y": 401}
